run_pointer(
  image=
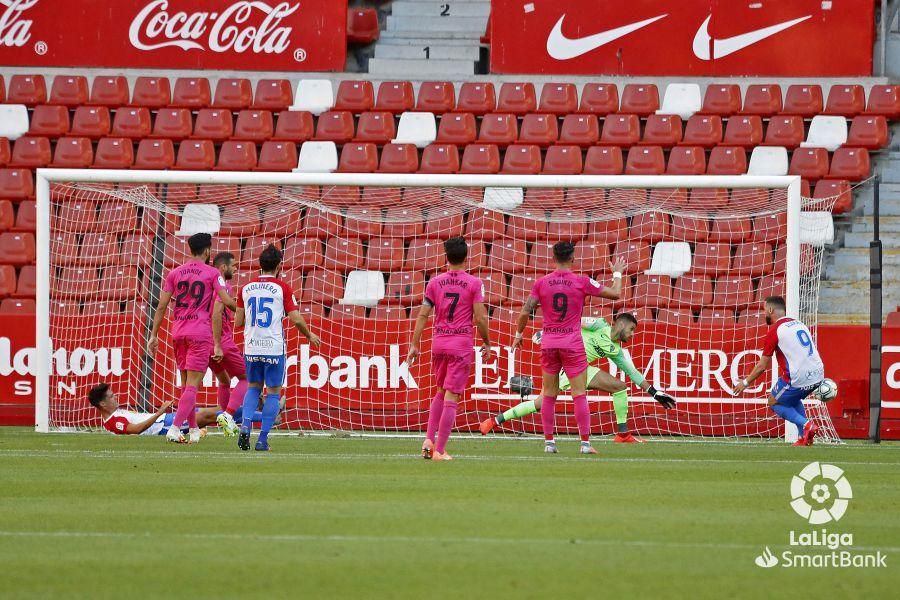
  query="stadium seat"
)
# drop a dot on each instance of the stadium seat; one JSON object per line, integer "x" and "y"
{"x": 716, "y": 319}
{"x": 16, "y": 184}
{"x": 376, "y": 127}
{"x": 803, "y": 100}
{"x": 562, "y": 160}
{"x": 416, "y": 128}
{"x": 335, "y": 126}
{"x": 654, "y": 291}
{"x": 770, "y": 228}
{"x": 687, "y": 160}
{"x": 516, "y": 98}
{"x": 29, "y": 90}
{"x": 437, "y": 97}
{"x": 26, "y": 286}
{"x": 213, "y": 124}
{"x": 64, "y": 248}
{"x": 94, "y": 122}
{"x": 690, "y": 229}
{"x": 117, "y": 216}
{"x": 173, "y": 123}
{"x": 109, "y": 91}
{"x": 527, "y": 224}
{"x": 425, "y": 255}
{"x": 558, "y": 98}
{"x": 196, "y": 155}
{"x": 682, "y": 99}
{"x": 313, "y": 95}
{"x": 363, "y": 222}
{"x": 46, "y": 120}
{"x": 566, "y": 224}
{"x": 294, "y": 126}
{"x": 385, "y": 254}
{"x": 355, "y": 96}
{"x": 743, "y": 130}
{"x": 75, "y": 283}
{"x": 273, "y": 94}
{"x": 17, "y": 306}
{"x": 675, "y": 317}
{"x": 323, "y": 287}
{"x": 317, "y": 157}
{"x": 155, "y": 155}
{"x": 99, "y": 250}
{"x": 442, "y": 158}
{"x": 541, "y": 258}
{"x": 342, "y": 254}
{"x": 730, "y": 231}
{"x": 129, "y": 122}
{"x": 649, "y": 227}
{"x": 457, "y": 128}
{"x": 444, "y": 222}
{"x": 733, "y": 292}
{"x": 236, "y": 156}
{"x": 498, "y": 128}
{"x": 691, "y": 292}
{"x": 754, "y": 259}
{"x": 477, "y": 98}
{"x": 662, "y": 130}
{"x": 351, "y": 311}
{"x": 76, "y": 217}
{"x": 256, "y": 244}
{"x": 621, "y": 130}
{"x": 723, "y": 100}
{"x": 711, "y": 258}
{"x": 809, "y": 163}
{"x": 599, "y": 99}
{"x": 17, "y": 248}
{"x": 641, "y": 99}
{"x": 359, "y": 158}
{"x": 5, "y": 151}
{"x": 399, "y": 158}
{"x": 191, "y": 92}
{"x": 703, "y": 130}
{"x": 395, "y": 97}
{"x": 580, "y": 129}
{"x": 114, "y": 153}
{"x": 604, "y": 160}
{"x": 404, "y": 222}
{"x": 69, "y": 90}
{"x": 850, "y": 163}
{"x": 303, "y": 254}
{"x": 608, "y": 231}
{"x": 826, "y": 132}
{"x": 509, "y": 255}
{"x": 31, "y": 152}
{"x": 770, "y": 285}
{"x": 253, "y": 125}
{"x": 233, "y": 94}
{"x": 845, "y": 100}
{"x": 546, "y": 198}
{"x": 479, "y": 158}
{"x": 494, "y": 287}
{"x": 672, "y": 259}
{"x": 73, "y": 153}
{"x": 762, "y": 100}
{"x": 522, "y": 159}
{"x": 831, "y": 188}
{"x": 7, "y": 280}
{"x": 7, "y": 215}
{"x": 772, "y": 160}
{"x": 868, "y": 131}
{"x": 636, "y": 255}
{"x": 707, "y": 200}
{"x": 485, "y": 224}
{"x": 277, "y": 156}
{"x": 785, "y": 130}
{"x": 152, "y": 92}
{"x": 539, "y": 129}
{"x": 751, "y": 319}
{"x": 884, "y": 100}
{"x": 645, "y": 160}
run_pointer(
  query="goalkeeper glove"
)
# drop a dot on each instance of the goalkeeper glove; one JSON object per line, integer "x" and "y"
{"x": 663, "y": 398}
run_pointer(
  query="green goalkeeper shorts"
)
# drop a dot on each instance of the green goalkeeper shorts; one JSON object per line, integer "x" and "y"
{"x": 564, "y": 381}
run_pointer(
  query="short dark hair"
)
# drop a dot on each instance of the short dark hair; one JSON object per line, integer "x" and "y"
{"x": 563, "y": 251}
{"x": 777, "y": 302}
{"x": 98, "y": 394}
{"x": 626, "y": 316}
{"x": 199, "y": 242}
{"x": 457, "y": 250}
{"x": 270, "y": 258}
{"x": 223, "y": 258}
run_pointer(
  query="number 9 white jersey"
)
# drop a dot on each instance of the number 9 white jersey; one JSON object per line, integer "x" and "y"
{"x": 799, "y": 362}
{"x": 266, "y": 302}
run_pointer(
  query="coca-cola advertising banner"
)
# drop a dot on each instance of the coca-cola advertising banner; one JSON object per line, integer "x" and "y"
{"x": 271, "y": 35}
{"x": 789, "y": 38}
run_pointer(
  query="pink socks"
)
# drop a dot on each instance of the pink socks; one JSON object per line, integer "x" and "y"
{"x": 185, "y": 411}
{"x": 236, "y": 400}
{"x": 448, "y": 419}
{"x": 434, "y": 415}
{"x": 582, "y": 417}
{"x": 223, "y": 393}
{"x": 548, "y": 416}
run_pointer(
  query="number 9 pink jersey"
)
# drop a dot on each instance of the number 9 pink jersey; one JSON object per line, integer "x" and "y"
{"x": 561, "y": 297}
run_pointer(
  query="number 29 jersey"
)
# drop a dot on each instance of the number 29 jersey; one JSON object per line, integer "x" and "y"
{"x": 266, "y": 302}
{"x": 561, "y": 297}
{"x": 194, "y": 286}
{"x": 453, "y": 294}
{"x": 799, "y": 363}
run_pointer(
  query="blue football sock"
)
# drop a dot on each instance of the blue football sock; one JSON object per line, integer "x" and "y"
{"x": 239, "y": 415}
{"x": 251, "y": 400}
{"x": 791, "y": 414}
{"x": 269, "y": 412}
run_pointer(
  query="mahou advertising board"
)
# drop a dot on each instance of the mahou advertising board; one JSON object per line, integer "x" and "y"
{"x": 274, "y": 35}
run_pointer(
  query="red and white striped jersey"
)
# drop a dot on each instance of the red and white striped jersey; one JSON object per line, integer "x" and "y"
{"x": 266, "y": 302}
{"x": 798, "y": 358}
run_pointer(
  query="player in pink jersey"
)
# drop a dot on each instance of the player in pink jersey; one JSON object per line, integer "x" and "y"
{"x": 455, "y": 297}
{"x": 561, "y": 297}
{"x": 194, "y": 285}
{"x": 227, "y": 362}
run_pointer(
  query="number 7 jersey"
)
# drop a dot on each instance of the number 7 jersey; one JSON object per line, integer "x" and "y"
{"x": 799, "y": 363}
{"x": 266, "y": 301}
{"x": 453, "y": 294}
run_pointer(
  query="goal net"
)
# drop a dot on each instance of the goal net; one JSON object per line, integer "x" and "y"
{"x": 702, "y": 254}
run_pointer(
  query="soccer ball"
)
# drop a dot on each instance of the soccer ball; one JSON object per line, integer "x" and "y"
{"x": 827, "y": 390}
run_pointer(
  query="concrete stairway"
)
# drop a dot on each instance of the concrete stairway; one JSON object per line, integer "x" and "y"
{"x": 425, "y": 39}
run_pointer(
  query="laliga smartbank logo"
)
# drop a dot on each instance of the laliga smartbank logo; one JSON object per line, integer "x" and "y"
{"x": 820, "y": 494}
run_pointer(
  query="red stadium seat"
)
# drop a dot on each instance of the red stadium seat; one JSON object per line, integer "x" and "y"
{"x": 762, "y": 100}
{"x": 29, "y": 90}
{"x": 850, "y": 163}
{"x": 118, "y": 284}
{"x": 377, "y": 127}
{"x": 26, "y": 286}
{"x": 686, "y": 160}
{"x": 663, "y": 130}
{"x": 722, "y": 99}
{"x": 323, "y": 287}
{"x": 743, "y": 130}
{"x": 526, "y": 224}
{"x": 117, "y": 216}
{"x": 444, "y": 222}
{"x": 99, "y": 250}
{"x": 541, "y": 258}
{"x": 74, "y": 283}
{"x": 711, "y": 258}
{"x": 770, "y": 285}
{"x": 362, "y": 25}
{"x": 711, "y": 318}
{"x": 636, "y": 255}
{"x": 476, "y": 98}
{"x": 196, "y": 155}
{"x": 191, "y": 92}
{"x": 404, "y": 222}
{"x": 110, "y": 91}
{"x": 294, "y": 126}
{"x": 457, "y": 128}
{"x": 770, "y": 228}
{"x": 803, "y": 100}
{"x": 93, "y": 122}
{"x": 405, "y": 288}
{"x": 16, "y": 184}
{"x": 733, "y": 292}
{"x": 5, "y": 151}
{"x": 546, "y": 198}
{"x": 484, "y": 224}
{"x": 751, "y": 319}
{"x": 691, "y": 292}
{"x": 754, "y": 259}
{"x": 385, "y": 254}
{"x": 479, "y": 158}
{"x": 591, "y": 256}
{"x": 2, "y": 89}
{"x": 16, "y": 248}
{"x": 649, "y": 227}
{"x": 599, "y": 99}
{"x": 49, "y": 121}
{"x": 562, "y": 160}
{"x": 273, "y": 94}
{"x": 604, "y": 160}
{"x": 129, "y": 122}
{"x": 580, "y": 129}
{"x": 442, "y": 158}
{"x": 494, "y": 287}
{"x": 64, "y": 248}
{"x": 621, "y": 130}
{"x": 342, "y": 254}
{"x": 809, "y": 163}
{"x": 516, "y": 98}
{"x": 703, "y": 130}
{"x": 845, "y": 100}
{"x": 395, "y": 97}
{"x": 509, "y": 255}
{"x": 277, "y": 156}
{"x": 155, "y": 155}
{"x": 213, "y": 124}
{"x": 363, "y": 222}
{"x": 31, "y": 152}
{"x": 253, "y": 125}
{"x": 640, "y": 98}
{"x": 335, "y": 126}
{"x": 707, "y": 200}
{"x": 152, "y": 92}
{"x": 303, "y": 254}
{"x": 727, "y": 160}
{"x": 73, "y": 153}
{"x": 690, "y": 229}
{"x": 318, "y": 223}
{"x": 645, "y": 160}
{"x": 884, "y": 100}
{"x": 359, "y": 158}
{"x": 652, "y": 291}
{"x": 522, "y": 160}
{"x": 237, "y": 156}
{"x": 7, "y": 215}
{"x": 567, "y": 224}
{"x": 355, "y": 96}
{"x": 114, "y": 153}
{"x": 391, "y": 313}
{"x": 399, "y": 158}
{"x": 868, "y": 131}
{"x": 831, "y": 188}
{"x": 233, "y": 94}
{"x": 425, "y": 255}
{"x": 541, "y": 130}
{"x": 77, "y": 217}
{"x": 609, "y": 231}
{"x": 498, "y": 128}
{"x": 255, "y": 245}
{"x": 670, "y": 197}
{"x": 16, "y": 306}
{"x": 730, "y": 231}
{"x": 7, "y": 280}
{"x": 437, "y": 97}
{"x": 559, "y": 98}
{"x": 672, "y": 317}
{"x": 173, "y": 123}
{"x": 786, "y": 131}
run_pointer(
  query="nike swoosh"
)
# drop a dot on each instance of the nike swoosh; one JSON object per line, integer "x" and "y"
{"x": 726, "y": 46}
{"x": 562, "y": 48}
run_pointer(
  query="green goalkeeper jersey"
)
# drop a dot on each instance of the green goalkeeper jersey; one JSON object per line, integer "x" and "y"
{"x": 598, "y": 343}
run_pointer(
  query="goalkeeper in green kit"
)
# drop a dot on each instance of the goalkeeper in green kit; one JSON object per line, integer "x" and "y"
{"x": 601, "y": 340}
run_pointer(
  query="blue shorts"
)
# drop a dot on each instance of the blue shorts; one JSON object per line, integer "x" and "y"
{"x": 788, "y": 395}
{"x": 266, "y": 369}
{"x": 167, "y": 422}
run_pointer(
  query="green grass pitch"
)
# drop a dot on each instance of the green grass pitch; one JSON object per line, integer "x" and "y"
{"x": 97, "y": 516}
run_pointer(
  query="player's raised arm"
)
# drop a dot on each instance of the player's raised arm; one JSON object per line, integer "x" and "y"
{"x": 421, "y": 322}
{"x": 613, "y": 291}
{"x": 299, "y": 322}
{"x": 139, "y": 428}
{"x": 153, "y": 342}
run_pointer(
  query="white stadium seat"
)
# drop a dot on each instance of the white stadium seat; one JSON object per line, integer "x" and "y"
{"x": 13, "y": 121}
{"x": 671, "y": 258}
{"x": 503, "y": 198}
{"x": 314, "y": 95}
{"x": 682, "y": 99}
{"x": 768, "y": 160}
{"x": 826, "y": 132}
{"x": 417, "y": 128}
{"x": 364, "y": 288}
{"x": 816, "y": 228}
{"x": 317, "y": 157}
{"x": 199, "y": 218}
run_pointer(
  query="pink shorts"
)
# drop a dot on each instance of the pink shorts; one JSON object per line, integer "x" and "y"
{"x": 452, "y": 370}
{"x": 573, "y": 362}
{"x": 232, "y": 362}
{"x": 192, "y": 354}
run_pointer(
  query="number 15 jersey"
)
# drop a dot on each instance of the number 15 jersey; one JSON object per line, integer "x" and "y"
{"x": 453, "y": 295}
{"x": 266, "y": 302}
{"x": 561, "y": 297}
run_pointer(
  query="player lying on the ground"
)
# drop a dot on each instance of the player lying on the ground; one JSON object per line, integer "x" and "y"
{"x": 456, "y": 297}
{"x": 227, "y": 362}
{"x": 601, "y": 341}
{"x": 800, "y": 368}
{"x": 561, "y": 297}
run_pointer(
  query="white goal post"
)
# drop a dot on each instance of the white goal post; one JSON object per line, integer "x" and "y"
{"x": 92, "y": 183}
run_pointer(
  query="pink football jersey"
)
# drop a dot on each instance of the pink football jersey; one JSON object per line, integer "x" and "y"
{"x": 194, "y": 286}
{"x": 228, "y": 319}
{"x": 453, "y": 295}
{"x": 561, "y": 297}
